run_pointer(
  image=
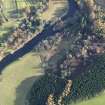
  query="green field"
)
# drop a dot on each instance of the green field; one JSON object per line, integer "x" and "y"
{"x": 7, "y": 27}
{"x": 12, "y": 85}
{"x": 9, "y": 7}
{"x": 98, "y": 100}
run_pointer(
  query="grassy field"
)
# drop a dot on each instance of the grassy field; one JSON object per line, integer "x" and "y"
{"x": 7, "y": 27}
{"x": 98, "y": 100}
{"x": 9, "y": 7}
{"x": 13, "y": 76}
{"x": 54, "y": 9}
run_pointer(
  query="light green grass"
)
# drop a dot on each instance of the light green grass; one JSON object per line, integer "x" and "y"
{"x": 9, "y": 6}
{"x": 14, "y": 74}
{"x": 98, "y": 100}
{"x": 6, "y": 27}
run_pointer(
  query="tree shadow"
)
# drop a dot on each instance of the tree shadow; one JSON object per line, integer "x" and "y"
{"x": 48, "y": 30}
{"x": 88, "y": 79}
{"x": 87, "y": 83}
{"x": 31, "y": 1}
{"x": 15, "y": 14}
{"x": 23, "y": 89}
{"x": 42, "y": 88}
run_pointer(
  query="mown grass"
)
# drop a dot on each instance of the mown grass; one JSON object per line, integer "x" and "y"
{"x": 13, "y": 75}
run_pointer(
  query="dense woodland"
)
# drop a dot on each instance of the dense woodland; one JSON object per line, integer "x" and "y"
{"x": 85, "y": 86}
{"x": 80, "y": 57}
{"x": 73, "y": 58}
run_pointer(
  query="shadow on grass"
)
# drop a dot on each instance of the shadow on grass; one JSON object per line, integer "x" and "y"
{"x": 23, "y": 89}
{"x": 43, "y": 87}
{"x": 86, "y": 85}
{"x": 15, "y": 14}
{"x": 47, "y": 31}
